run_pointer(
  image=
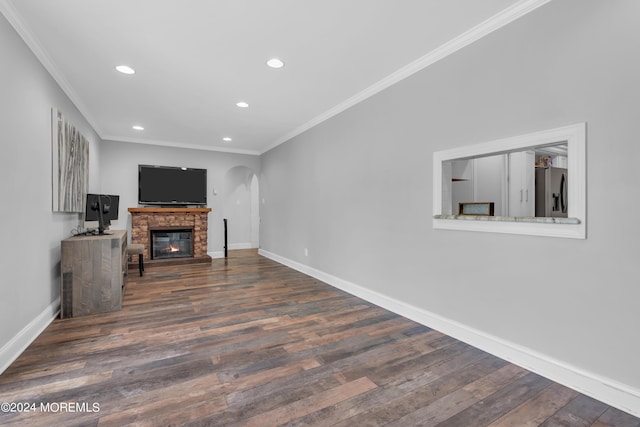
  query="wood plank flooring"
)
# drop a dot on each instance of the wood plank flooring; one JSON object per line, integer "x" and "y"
{"x": 248, "y": 342}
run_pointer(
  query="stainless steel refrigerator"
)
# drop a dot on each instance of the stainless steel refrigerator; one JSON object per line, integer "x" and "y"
{"x": 552, "y": 192}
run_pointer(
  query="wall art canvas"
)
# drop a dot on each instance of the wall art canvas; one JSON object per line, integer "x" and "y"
{"x": 70, "y": 165}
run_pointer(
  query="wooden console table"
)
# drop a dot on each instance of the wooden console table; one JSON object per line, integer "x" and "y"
{"x": 93, "y": 273}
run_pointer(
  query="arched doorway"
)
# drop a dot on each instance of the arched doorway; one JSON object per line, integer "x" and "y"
{"x": 241, "y": 208}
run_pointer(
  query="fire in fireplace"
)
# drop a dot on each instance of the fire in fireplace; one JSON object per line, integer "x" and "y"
{"x": 171, "y": 243}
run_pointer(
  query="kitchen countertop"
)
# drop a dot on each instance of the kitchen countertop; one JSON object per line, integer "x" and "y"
{"x": 540, "y": 220}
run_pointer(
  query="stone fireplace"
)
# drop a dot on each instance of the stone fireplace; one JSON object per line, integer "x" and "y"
{"x": 171, "y": 235}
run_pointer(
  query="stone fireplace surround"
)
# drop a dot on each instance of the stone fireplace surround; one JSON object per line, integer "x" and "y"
{"x": 143, "y": 220}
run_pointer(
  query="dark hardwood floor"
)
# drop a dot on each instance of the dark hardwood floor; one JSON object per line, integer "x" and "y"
{"x": 248, "y": 342}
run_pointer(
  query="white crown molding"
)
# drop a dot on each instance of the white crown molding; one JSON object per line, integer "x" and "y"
{"x": 490, "y": 25}
{"x": 108, "y": 138}
{"x": 16, "y": 20}
{"x": 607, "y": 390}
{"x": 494, "y": 23}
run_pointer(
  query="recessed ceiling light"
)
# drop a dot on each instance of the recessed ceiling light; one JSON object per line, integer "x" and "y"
{"x": 227, "y": 139}
{"x": 125, "y": 69}
{"x": 137, "y": 127}
{"x": 242, "y": 104}
{"x": 275, "y": 63}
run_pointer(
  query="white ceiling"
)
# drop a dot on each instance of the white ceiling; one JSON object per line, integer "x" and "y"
{"x": 194, "y": 59}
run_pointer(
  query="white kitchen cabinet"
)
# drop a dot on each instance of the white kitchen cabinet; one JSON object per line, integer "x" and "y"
{"x": 522, "y": 184}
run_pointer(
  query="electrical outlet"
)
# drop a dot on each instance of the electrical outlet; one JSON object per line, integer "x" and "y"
{"x": 306, "y": 252}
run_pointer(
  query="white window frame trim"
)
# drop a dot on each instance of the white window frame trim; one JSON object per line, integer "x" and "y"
{"x": 575, "y": 137}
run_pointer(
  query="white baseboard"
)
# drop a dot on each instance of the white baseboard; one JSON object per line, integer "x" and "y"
{"x": 611, "y": 392}
{"x": 19, "y": 343}
{"x": 233, "y": 246}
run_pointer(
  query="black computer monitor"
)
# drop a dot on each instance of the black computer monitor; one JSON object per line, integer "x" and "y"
{"x": 102, "y": 208}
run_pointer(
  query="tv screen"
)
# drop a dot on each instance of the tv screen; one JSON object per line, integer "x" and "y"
{"x": 166, "y": 185}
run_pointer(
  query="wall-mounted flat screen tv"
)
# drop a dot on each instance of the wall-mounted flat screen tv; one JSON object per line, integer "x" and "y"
{"x": 167, "y": 185}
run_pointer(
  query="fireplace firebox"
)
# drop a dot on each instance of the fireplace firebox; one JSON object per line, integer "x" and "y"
{"x": 175, "y": 243}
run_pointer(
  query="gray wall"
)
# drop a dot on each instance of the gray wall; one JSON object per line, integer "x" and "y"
{"x": 357, "y": 189}
{"x": 119, "y": 175}
{"x": 30, "y": 250}
{"x": 31, "y": 232}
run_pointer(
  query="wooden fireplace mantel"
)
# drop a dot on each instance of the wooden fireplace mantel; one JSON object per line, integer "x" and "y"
{"x": 169, "y": 210}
